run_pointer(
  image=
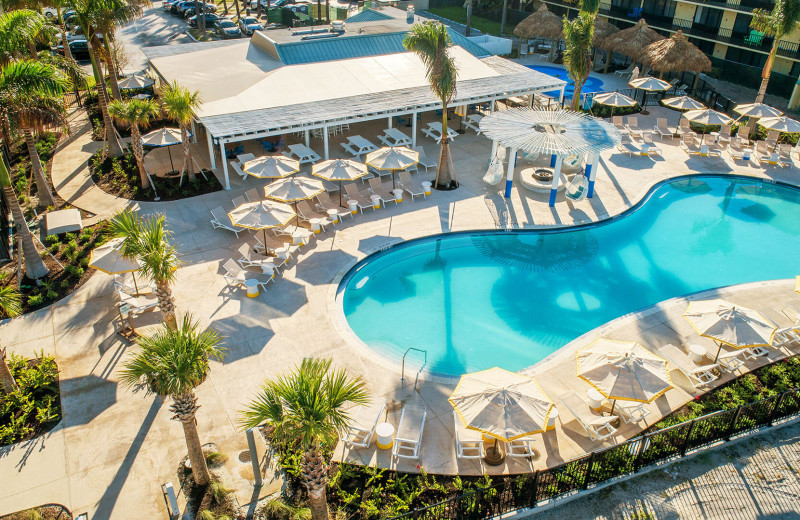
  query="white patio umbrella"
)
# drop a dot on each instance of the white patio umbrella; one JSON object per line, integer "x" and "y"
{"x": 781, "y": 124}
{"x": 143, "y": 97}
{"x": 757, "y": 110}
{"x": 271, "y": 167}
{"x": 649, "y": 84}
{"x": 707, "y": 117}
{"x": 623, "y": 370}
{"x": 135, "y": 82}
{"x": 682, "y": 103}
{"x": 501, "y": 404}
{"x": 392, "y": 158}
{"x": 728, "y": 324}
{"x": 261, "y": 215}
{"x": 292, "y": 190}
{"x": 339, "y": 170}
{"x": 108, "y": 258}
{"x": 614, "y": 100}
{"x": 163, "y": 137}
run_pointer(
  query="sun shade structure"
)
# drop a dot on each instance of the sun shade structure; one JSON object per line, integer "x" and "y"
{"x": 108, "y": 258}
{"x": 392, "y": 158}
{"x": 541, "y": 24}
{"x": 623, "y": 370}
{"x": 675, "y": 53}
{"x": 683, "y": 103}
{"x": 650, "y": 84}
{"x": 163, "y": 137}
{"x": 729, "y": 324}
{"x": 135, "y": 82}
{"x": 602, "y": 30}
{"x": 271, "y": 167}
{"x": 339, "y": 170}
{"x": 293, "y": 189}
{"x": 501, "y": 404}
{"x": 781, "y": 124}
{"x": 707, "y": 116}
{"x": 262, "y": 215}
{"x": 614, "y": 99}
{"x": 632, "y": 41}
{"x": 757, "y": 110}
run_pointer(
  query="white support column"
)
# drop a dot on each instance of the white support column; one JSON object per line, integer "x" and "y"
{"x": 308, "y": 138}
{"x": 413, "y": 129}
{"x": 194, "y": 132}
{"x": 530, "y": 99}
{"x": 561, "y": 96}
{"x": 494, "y": 150}
{"x": 325, "y": 140}
{"x": 592, "y": 163}
{"x": 390, "y": 121}
{"x": 224, "y": 164}
{"x": 556, "y": 179}
{"x": 512, "y": 161}
{"x": 491, "y": 105}
{"x": 211, "y": 158}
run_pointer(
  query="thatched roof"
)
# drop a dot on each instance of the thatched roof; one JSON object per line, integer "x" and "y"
{"x": 602, "y": 30}
{"x": 541, "y": 24}
{"x": 632, "y": 41}
{"x": 675, "y": 54}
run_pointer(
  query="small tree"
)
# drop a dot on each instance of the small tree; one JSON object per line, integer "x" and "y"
{"x": 578, "y": 51}
{"x": 779, "y": 22}
{"x": 10, "y": 306}
{"x": 135, "y": 113}
{"x": 172, "y": 363}
{"x": 180, "y": 104}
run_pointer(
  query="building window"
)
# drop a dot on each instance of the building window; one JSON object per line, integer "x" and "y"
{"x": 663, "y": 8}
{"x": 742, "y": 24}
{"x": 755, "y": 59}
{"x": 708, "y": 17}
{"x": 704, "y": 45}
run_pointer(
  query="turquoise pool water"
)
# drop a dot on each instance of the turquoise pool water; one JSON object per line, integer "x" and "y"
{"x": 591, "y": 85}
{"x": 477, "y": 300}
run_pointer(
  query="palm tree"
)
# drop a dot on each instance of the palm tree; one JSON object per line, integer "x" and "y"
{"x": 173, "y": 362}
{"x": 430, "y": 41}
{"x": 147, "y": 240}
{"x": 10, "y": 306}
{"x": 106, "y": 22}
{"x": 180, "y": 104}
{"x": 306, "y": 409}
{"x": 779, "y": 22}
{"x": 135, "y": 113}
{"x": 578, "y": 51}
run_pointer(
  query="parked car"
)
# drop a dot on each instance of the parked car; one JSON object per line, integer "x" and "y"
{"x": 76, "y": 34}
{"x": 78, "y": 48}
{"x": 225, "y": 28}
{"x": 248, "y": 24}
{"x": 190, "y": 10}
{"x": 178, "y": 7}
{"x": 211, "y": 18}
{"x": 273, "y": 3}
{"x": 166, "y": 4}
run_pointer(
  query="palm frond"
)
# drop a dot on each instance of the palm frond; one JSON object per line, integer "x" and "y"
{"x": 10, "y": 301}
{"x": 180, "y": 103}
{"x": 28, "y": 77}
{"x": 430, "y": 42}
{"x": 137, "y": 112}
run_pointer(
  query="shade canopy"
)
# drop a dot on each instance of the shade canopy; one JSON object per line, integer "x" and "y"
{"x": 707, "y": 116}
{"x": 650, "y": 84}
{"x": 108, "y": 258}
{"x": 675, "y": 53}
{"x": 135, "y": 82}
{"x": 781, "y": 124}
{"x": 602, "y": 30}
{"x": 550, "y": 131}
{"x": 162, "y": 137}
{"x": 271, "y": 167}
{"x": 339, "y": 170}
{"x": 623, "y": 370}
{"x": 683, "y": 103}
{"x": 541, "y": 24}
{"x": 730, "y": 324}
{"x": 632, "y": 41}
{"x": 614, "y": 99}
{"x": 392, "y": 158}
{"x": 757, "y": 110}
{"x": 264, "y": 214}
{"x": 293, "y": 189}
{"x": 502, "y": 404}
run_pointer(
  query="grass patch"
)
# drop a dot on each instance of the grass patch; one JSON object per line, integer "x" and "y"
{"x": 35, "y": 407}
{"x": 209, "y": 37}
{"x": 210, "y": 502}
{"x": 459, "y": 15}
{"x": 48, "y": 512}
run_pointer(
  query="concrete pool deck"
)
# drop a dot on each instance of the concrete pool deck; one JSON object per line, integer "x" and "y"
{"x": 115, "y": 447}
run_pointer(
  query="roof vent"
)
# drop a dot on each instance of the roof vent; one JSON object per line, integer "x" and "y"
{"x": 337, "y": 26}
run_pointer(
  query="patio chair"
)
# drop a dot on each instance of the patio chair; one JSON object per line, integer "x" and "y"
{"x": 268, "y": 265}
{"x": 597, "y": 427}
{"x": 235, "y": 276}
{"x": 377, "y": 188}
{"x": 631, "y": 413}
{"x": 633, "y": 126}
{"x": 744, "y": 133}
{"x": 273, "y": 244}
{"x": 689, "y": 144}
{"x": 290, "y": 230}
{"x": 629, "y": 147}
{"x": 410, "y": 187}
{"x": 626, "y": 71}
{"x": 252, "y": 195}
{"x": 408, "y": 439}
{"x": 136, "y": 304}
{"x": 520, "y": 448}
{"x": 763, "y": 153}
{"x": 785, "y": 336}
{"x": 698, "y": 375}
{"x": 325, "y": 203}
{"x": 652, "y": 148}
{"x": 363, "y": 420}
{"x": 792, "y": 313}
{"x": 373, "y": 172}
{"x": 238, "y": 201}
{"x": 724, "y": 134}
{"x": 469, "y": 443}
{"x": 361, "y": 198}
{"x": 662, "y": 129}
{"x": 424, "y": 160}
{"x": 221, "y": 220}
{"x": 684, "y": 127}
{"x": 735, "y": 148}
{"x": 773, "y": 135}
{"x": 473, "y": 123}
{"x": 785, "y": 153}
{"x": 618, "y": 122}
{"x": 306, "y": 213}
{"x": 713, "y": 148}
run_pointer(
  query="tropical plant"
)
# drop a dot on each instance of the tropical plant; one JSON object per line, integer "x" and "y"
{"x": 106, "y": 22}
{"x": 135, "y": 113}
{"x": 180, "y": 104}
{"x": 172, "y": 363}
{"x": 578, "y": 51}
{"x": 278, "y": 509}
{"x": 305, "y": 407}
{"x": 779, "y": 22}
{"x": 430, "y": 42}
{"x": 10, "y": 306}
{"x": 20, "y": 30}
{"x": 147, "y": 240}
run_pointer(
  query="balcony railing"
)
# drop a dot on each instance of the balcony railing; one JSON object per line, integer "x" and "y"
{"x": 740, "y": 5}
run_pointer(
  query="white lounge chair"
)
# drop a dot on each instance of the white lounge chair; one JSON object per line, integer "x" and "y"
{"x": 411, "y": 187}
{"x": 469, "y": 443}
{"x": 652, "y": 148}
{"x": 325, "y": 203}
{"x": 252, "y": 195}
{"x": 617, "y": 121}
{"x": 362, "y": 199}
{"x": 268, "y": 265}
{"x": 663, "y": 129}
{"x": 363, "y": 420}
{"x": 598, "y": 427}
{"x": 473, "y": 122}
{"x": 376, "y": 188}
{"x": 520, "y": 448}
{"x": 698, "y": 375}
{"x": 785, "y": 336}
{"x": 291, "y": 230}
{"x": 136, "y": 304}
{"x": 628, "y": 147}
{"x": 273, "y": 245}
{"x": 633, "y": 126}
{"x": 238, "y": 201}
{"x": 731, "y": 361}
{"x": 408, "y": 440}
{"x": 689, "y": 144}
{"x": 236, "y": 277}
{"x": 626, "y": 71}
{"x": 684, "y": 127}
{"x": 735, "y": 148}
{"x": 221, "y": 220}
{"x": 306, "y": 213}
{"x": 424, "y": 160}
{"x": 631, "y": 412}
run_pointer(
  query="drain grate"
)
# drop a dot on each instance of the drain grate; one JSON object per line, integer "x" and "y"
{"x": 244, "y": 456}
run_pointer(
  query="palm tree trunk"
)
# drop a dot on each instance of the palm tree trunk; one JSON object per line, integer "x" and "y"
{"x": 238, "y": 12}
{"x": 443, "y": 176}
{"x": 185, "y": 409}
{"x": 187, "y": 153}
{"x": 765, "y": 72}
{"x": 315, "y": 478}
{"x": 504, "y": 17}
{"x": 225, "y": 6}
{"x": 43, "y": 190}
{"x": 112, "y": 68}
{"x": 468, "y": 28}
{"x": 113, "y": 146}
{"x": 8, "y": 136}
{"x": 166, "y": 303}
{"x": 319, "y": 11}
{"x": 138, "y": 154}
{"x": 64, "y": 42}
{"x": 327, "y": 11}
{"x": 6, "y": 377}
{"x": 34, "y": 265}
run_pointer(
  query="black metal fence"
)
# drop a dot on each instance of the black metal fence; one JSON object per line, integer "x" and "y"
{"x": 531, "y": 490}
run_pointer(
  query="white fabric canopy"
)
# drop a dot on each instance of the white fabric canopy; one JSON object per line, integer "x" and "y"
{"x": 649, "y": 84}
{"x": 109, "y": 259}
{"x": 727, "y": 323}
{"x": 293, "y": 189}
{"x": 707, "y": 116}
{"x": 757, "y": 110}
{"x": 614, "y": 99}
{"x": 781, "y": 124}
{"x": 261, "y": 215}
{"x": 162, "y": 137}
{"x": 271, "y": 167}
{"x": 683, "y": 103}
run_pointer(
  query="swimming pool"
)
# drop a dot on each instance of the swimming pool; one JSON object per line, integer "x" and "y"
{"x": 591, "y": 85}
{"x": 480, "y": 299}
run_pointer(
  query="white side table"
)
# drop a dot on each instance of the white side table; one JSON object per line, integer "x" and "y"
{"x": 333, "y": 214}
{"x": 594, "y": 398}
{"x": 426, "y": 187}
{"x": 398, "y": 195}
{"x": 551, "y": 421}
{"x": 376, "y": 201}
{"x": 316, "y": 225}
{"x": 697, "y": 352}
{"x": 251, "y": 285}
{"x": 353, "y": 206}
{"x": 384, "y": 433}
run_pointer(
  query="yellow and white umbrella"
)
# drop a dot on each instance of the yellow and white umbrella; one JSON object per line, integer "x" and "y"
{"x": 623, "y": 370}
{"x": 262, "y": 215}
{"x": 707, "y": 116}
{"x": 614, "y": 99}
{"x": 649, "y": 84}
{"x": 108, "y": 258}
{"x": 392, "y": 158}
{"x": 501, "y": 404}
{"x": 781, "y": 124}
{"x": 797, "y": 284}
{"x": 292, "y": 190}
{"x": 729, "y": 324}
{"x": 757, "y": 110}
{"x": 271, "y": 167}
{"x": 683, "y": 103}
{"x": 339, "y": 170}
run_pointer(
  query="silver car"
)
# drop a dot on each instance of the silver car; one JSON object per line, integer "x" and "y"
{"x": 248, "y": 24}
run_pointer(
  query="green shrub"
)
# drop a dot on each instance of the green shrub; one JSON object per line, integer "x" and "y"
{"x": 216, "y": 458}
{"x": 35, "y": 406}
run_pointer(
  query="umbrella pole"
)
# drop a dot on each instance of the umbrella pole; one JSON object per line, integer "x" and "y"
{"x": 613, "y": 404}
{"x": 135, "y": 286}
{"x": 172, "y": 166}
{"x": 394, "y": 183}
{"x": 265, "y": 242}
{"x": 719, "y": 350}
{"x": 340, "y": 194}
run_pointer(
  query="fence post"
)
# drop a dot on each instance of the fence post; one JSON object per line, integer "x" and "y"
{"x": 535, "y": 486}
{"x": 637, "y": 463}
{"x": 588, "y": 473}
{"x": 732, "y": 425}
{"x": 686, "y": 439}
{"x": 774, "y": 410}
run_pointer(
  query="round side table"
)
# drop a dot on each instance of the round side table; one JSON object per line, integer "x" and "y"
{"x": 398, "y": 195}
{"x": 353, "y": 206}
{"x": 697, "y": 352}
{"x": 316, "y": 225}
{"x": 252, "y": 287}
{"x": 333, "y": 214}
{"x": 594, "y": 398}
{"x": 376, "y": 201}
{"x": 385, "y": 435}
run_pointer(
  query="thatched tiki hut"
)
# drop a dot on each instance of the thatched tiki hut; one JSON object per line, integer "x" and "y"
{"x": 676, "y": 54}
{"x": 541, "y": 24}
{"x": 602, "y": 30}
{"x": 631, "y": 41}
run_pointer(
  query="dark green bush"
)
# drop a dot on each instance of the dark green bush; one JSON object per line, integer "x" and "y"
{"x": 35, "y": 407}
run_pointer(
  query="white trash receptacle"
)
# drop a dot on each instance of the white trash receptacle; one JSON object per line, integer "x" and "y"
{"x": 398, "y": 195}
{"x": 385, "y": 435}
{"x": 252, "y": 287}
{"x": 426, "y": 187}
{"x": 376, "y": 201}
{"x": 353, "y": 206}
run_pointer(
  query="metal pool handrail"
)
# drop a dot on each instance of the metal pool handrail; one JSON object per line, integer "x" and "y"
{"x": 403, "y": 364}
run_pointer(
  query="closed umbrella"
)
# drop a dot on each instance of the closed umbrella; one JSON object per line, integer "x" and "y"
{"x": 261, "y": 215}
{"x": 163, "y": 137}
{"x": 271, "y": 167}
{"x": 623, "y": 370}
{"x": 781, "y": 124}
{"x": 339, "y": 170}
{"x": 392, "y": 158}
{"x": 614, "y": 100}
{"x": 707, "y": 117}
{"x": 501, "y": 404}
{"x": 135, "y": 82}
{"x": 108, "y": 258}
{"x": 294, "y": 189}
{"x": 728, "y": 324}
